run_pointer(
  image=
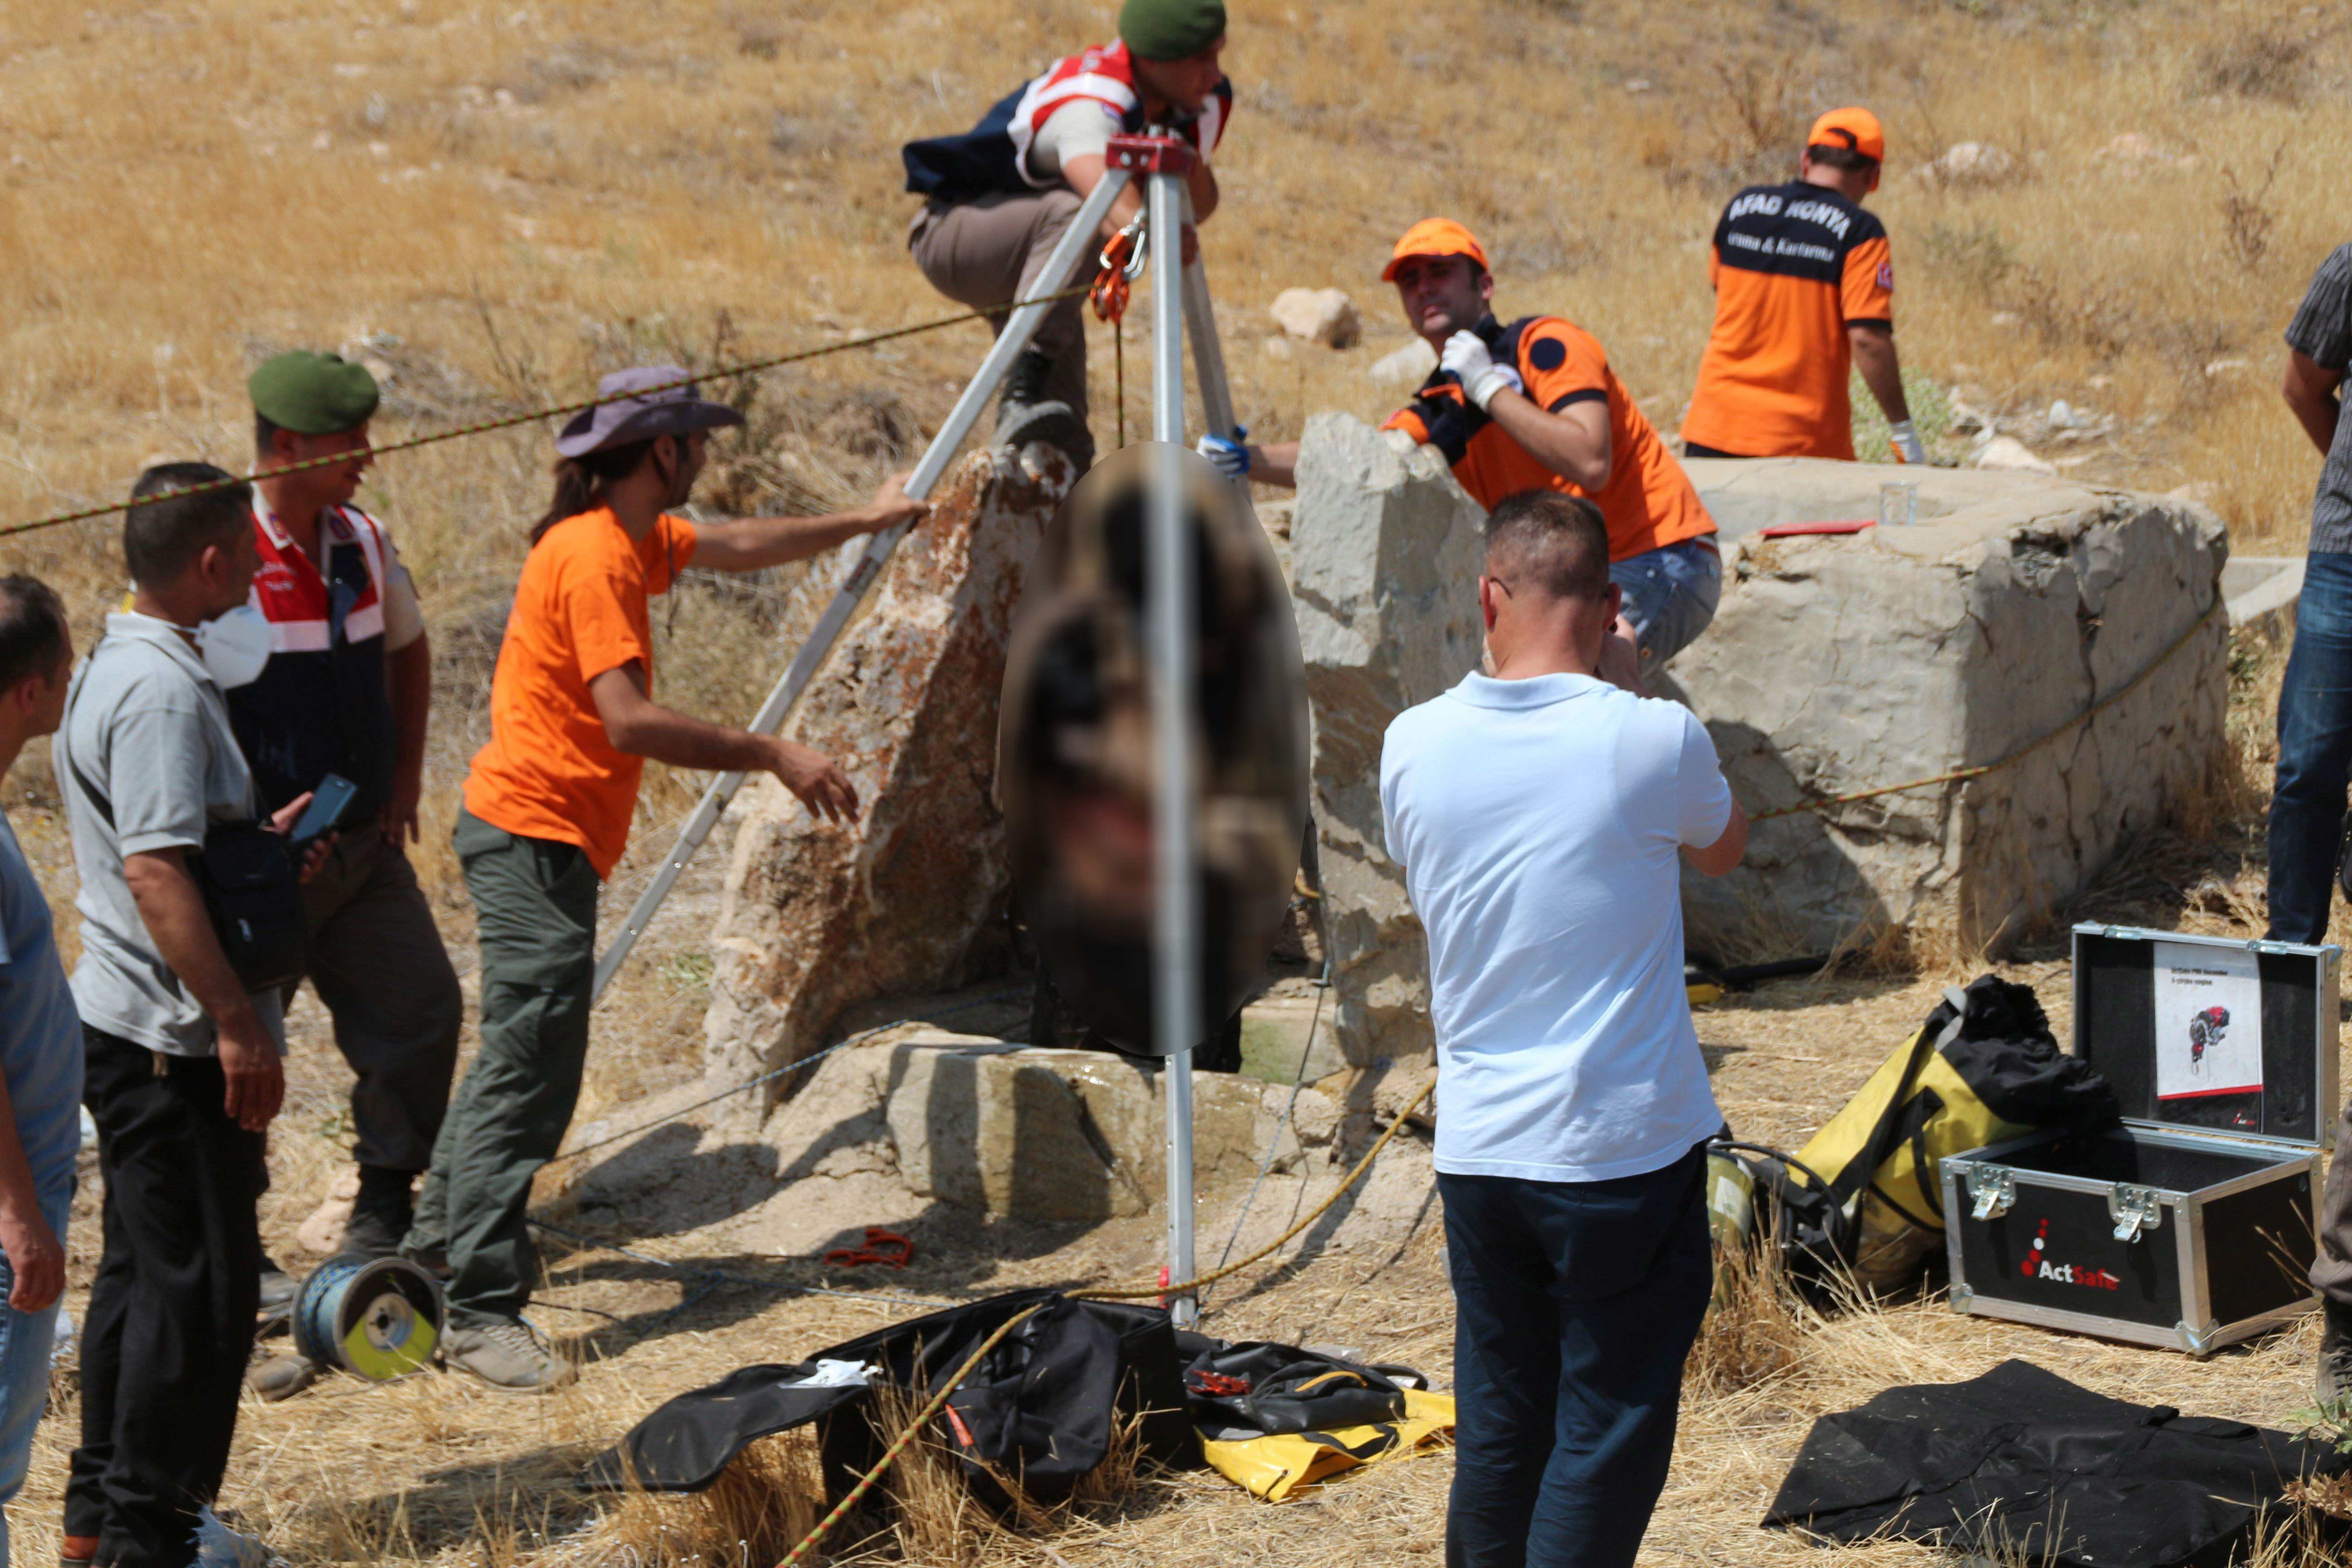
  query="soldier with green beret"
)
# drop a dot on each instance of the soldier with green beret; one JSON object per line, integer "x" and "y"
{"x": 347, "y": 691}
{"x": 999, "y": 196}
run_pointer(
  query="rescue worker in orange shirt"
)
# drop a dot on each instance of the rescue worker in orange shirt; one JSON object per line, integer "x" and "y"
{"x": 1535, "y": 406}
{"x": 1804, "y": 290}
{"x": 548, "y": 806}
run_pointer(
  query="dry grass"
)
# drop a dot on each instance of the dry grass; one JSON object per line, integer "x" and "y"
{"x": 497, "y": 202}
{"x": 1754, "y": 1331}
{"x": 756, "y": 1511}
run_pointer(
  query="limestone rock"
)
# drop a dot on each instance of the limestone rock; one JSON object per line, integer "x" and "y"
{"x": 1970, "y": 163}
{"x": 818, "y": 917}
{"x": 1385, "y": 554}
{"x": 1029, "y": 1133}
{"x": 1407, "y": 366}
{"x": 1841, "y": 664}
{"x": 1325, "y": 316}
{"x": 2007, "y": 453}
{"x": 323, "y": 1233}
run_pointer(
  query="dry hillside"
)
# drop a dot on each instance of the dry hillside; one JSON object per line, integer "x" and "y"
{"x": 497, "y": 201}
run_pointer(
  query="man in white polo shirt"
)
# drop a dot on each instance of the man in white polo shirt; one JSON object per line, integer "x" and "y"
{"x": 1540, "y": 814}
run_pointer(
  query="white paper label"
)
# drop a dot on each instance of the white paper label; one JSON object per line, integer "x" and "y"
{"x": 2208, "y": 1021}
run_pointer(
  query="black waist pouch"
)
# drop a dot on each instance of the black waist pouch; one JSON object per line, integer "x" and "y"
{"x": 255, "y": 898}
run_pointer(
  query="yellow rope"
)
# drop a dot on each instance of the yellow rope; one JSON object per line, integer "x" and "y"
{"x": 914, "y": 1427}
{"x": 1193, "y": 1287}
{"x": 482, "y": 427}
{"x": 1960, "y": 774}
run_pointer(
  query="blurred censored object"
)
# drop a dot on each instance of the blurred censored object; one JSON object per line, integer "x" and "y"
{"x": 1076, "y": 769}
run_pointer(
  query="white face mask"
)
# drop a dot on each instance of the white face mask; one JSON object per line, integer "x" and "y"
{"x": 234, "y": 645}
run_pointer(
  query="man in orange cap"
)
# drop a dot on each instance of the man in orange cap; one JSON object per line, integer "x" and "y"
{"x": 1803, "y": 291}
{"x": 1535, "y": 406}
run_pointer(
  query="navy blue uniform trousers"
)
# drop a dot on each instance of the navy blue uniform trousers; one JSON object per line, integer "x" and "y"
{"x": 1576, "y": 1305}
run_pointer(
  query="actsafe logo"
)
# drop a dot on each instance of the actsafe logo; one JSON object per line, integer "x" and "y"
{"x": 2037, "y": 1266}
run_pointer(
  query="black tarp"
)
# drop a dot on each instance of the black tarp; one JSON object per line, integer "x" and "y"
{"x": 2059, "y": 1474}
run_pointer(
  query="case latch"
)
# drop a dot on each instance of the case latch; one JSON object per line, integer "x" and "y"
{"x": 1995, "y": 1189}
{"x": 2134, "y": 1209}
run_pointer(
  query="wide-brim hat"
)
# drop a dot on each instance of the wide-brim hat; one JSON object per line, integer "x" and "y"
{"x": 642, "y": 403}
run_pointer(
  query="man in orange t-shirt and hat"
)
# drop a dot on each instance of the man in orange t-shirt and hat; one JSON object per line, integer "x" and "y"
{"x": 548, "y": 805}
{"x": 1536, "y": 405}
{"x": 1804, "y": 291}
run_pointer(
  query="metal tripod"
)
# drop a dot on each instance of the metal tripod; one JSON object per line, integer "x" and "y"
{"x": 1180, "y": 308}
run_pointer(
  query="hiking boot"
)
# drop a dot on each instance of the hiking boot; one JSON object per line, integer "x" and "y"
{"x": 77, "y": 1550}
{"x": 374, "y": 1232}
{"x": 278, "y": 1287}
{"x": 1052, "y": 423}
{"x": 282, "y": 1378}
{"x": 508, "y": 1356}
{"x": 1024, "y": 413}
{"x": 2331, "y": 1383}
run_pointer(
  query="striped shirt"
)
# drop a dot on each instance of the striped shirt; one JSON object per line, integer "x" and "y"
{"x": 996, "y": 156}
{"x": 2322, "y": 332}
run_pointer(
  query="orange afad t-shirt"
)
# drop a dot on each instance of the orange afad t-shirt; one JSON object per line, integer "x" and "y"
{"x": 1794, "y": 266}
{"x": 549, "y": 771}
{"x": 1648, "y": 503}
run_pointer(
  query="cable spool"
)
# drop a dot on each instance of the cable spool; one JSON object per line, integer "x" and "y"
{"x": 379, "y": 1317}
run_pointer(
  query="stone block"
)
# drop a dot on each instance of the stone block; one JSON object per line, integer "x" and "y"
{"x": 1406, "y": 366}
{"x": 1276, "y": 1031}
{"x": 1325, "y": 316}
{"x": 1030, "y": 1133}
{"x": 1838, "y": 663}
{"x": 1385, "y": 553}
{"x": 910, "y": 898}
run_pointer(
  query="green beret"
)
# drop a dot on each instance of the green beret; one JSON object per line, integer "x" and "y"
{"x": 313, "y": 393}
{"x": 1171, "y": 29}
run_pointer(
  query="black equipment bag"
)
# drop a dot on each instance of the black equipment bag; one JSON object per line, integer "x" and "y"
{"x": 1269, "y": 1389}
{"x": 253, "y": 892}
{"x": 1040, "y": 1409}
{"x": 687, "y": 1441}
{"x": 1863, "y": 1195}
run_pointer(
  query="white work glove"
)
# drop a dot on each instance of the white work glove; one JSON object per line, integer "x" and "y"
{"x": 1908, "y": 448}
{"x": 1226, "y": 453}
{"x": 1469, "y": 362}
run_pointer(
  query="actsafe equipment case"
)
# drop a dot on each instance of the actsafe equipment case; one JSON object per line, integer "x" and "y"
{"x": 2191, "y": 1225}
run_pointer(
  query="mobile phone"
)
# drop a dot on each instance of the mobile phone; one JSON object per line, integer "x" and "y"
{"x": 329, "y": 801}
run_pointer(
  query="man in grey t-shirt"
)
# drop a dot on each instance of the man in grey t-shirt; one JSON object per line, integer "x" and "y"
{"x": 181, "y": 1063}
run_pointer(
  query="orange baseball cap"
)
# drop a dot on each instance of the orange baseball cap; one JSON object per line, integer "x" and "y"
{"x": 1435, "y": 237}
{"x": 1856, "y": 130}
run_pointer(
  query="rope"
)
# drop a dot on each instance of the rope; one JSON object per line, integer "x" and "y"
{"x": 1190, "y": 1286}
{"x": 1122, "y": 262}
{"x": 898, "y": 1445}
{"x": 1961, "y": 775}
{"x": 1193, "y": 1287}
{"x": 1290, "y": 1106}
{"x": 485, "y": 426}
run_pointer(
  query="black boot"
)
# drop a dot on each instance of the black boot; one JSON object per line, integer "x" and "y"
{"x": 1025, "y": 413}
{"x": 380, "y": 1214}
